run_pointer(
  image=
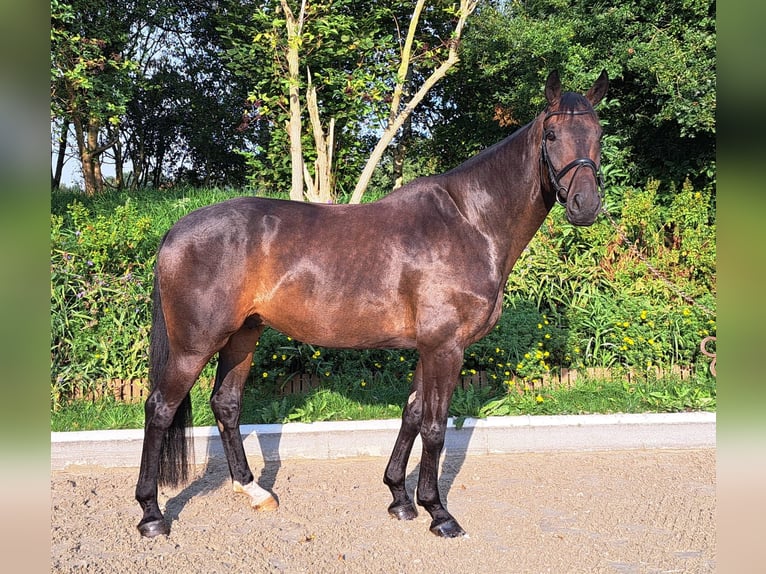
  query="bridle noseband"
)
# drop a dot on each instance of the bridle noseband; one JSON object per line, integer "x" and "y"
{"x": 561, "y": 190}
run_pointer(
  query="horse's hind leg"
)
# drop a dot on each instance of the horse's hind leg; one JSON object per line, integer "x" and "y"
{"x": 226, "y": 401}
{"x": 163, "y": 460}
{"x": 396, "y": 470}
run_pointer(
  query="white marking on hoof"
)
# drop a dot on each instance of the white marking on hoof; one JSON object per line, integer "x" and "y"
{"x": 260, "y": 499}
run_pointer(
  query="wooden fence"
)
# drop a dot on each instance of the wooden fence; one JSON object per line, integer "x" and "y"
{"x": 136, "y": 390}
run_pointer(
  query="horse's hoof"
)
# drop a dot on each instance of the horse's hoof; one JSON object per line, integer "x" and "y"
{"x": 403, "y": 511}
{"x": 153, "y": 528}
{"x": 448, "y": 529}
{"x": 267, "y": 505}
{"x": 260, "y": 499}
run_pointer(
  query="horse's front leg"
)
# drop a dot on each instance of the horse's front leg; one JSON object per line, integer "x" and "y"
{"x": 396, "y": 471}
{"x": 440, "y": 375}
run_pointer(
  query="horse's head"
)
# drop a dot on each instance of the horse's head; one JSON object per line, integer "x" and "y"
{"x": 571, "y": 148}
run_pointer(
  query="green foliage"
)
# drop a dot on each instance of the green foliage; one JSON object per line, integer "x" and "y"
{"x": 660, "y": 110}
{"x": 90, "y": 79}
{"x": 102, "y": 254}
{"x": 99, "y": 297}
{"x": 470, "y": 403}
{"x": 199, "y": 96}
{"x": 592, "y": 395}
{"x": 578, "y": 298}
{"x": 526, "y": 343}
{"x": 352, "y": 51}
{"x": 637, "y": 291}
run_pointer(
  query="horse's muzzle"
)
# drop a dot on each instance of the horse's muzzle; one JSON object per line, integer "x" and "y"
{"x": 583, "y": 206}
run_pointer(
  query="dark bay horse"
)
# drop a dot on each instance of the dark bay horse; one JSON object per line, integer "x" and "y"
{"x": 422, "y": 268}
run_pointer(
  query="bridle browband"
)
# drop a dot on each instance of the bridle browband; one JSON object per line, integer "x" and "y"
{"x": 562, "y": 192}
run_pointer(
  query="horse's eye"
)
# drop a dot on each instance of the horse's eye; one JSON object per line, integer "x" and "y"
{"x": 550, "y": 136}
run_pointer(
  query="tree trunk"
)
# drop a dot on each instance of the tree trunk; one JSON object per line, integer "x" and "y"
{"x": 95, "y": 155}
{"x": 88, "y": 159}
{"x": 294, "y": 28}
{"x": 137, "y": 159}
{"x": 61, "y": 155}
{"x": 400, "y": 153}
{"x": 119, "y": 162}
{"x": 320, "y": 188}
{"x": 87, "y": 146}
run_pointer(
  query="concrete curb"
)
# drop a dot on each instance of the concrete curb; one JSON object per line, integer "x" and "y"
{"x": 328, "y": 440}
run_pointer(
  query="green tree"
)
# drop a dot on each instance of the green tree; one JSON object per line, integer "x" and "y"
{"x": 660, "y": 56}
{"x": 142, "y": 85}
{"x": 90, "y": 76}
{"x": 181, "y": 123}
{"x": 352, "y": 53}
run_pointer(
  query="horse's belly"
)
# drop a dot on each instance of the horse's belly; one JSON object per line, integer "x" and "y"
{"x": 347, "y": 331}
{"x": 340, "y": 321}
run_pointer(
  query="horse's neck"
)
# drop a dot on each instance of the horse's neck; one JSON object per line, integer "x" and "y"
{"x": 500, "y": 192}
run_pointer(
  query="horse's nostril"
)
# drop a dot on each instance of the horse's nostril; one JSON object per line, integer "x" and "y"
{"x": 576, "y": 201}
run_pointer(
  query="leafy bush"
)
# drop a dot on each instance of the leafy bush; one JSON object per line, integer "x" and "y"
{"x": 636, "y": 291}
{"x": 102, "y": 257}
{"x": 100, "y": 281}
{"x": 633, "y": 295}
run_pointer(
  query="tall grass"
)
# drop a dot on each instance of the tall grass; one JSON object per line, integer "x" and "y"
{"x": 351, "y": 397}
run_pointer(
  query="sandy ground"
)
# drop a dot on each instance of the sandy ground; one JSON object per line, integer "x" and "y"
{"x": 641, "y": 511}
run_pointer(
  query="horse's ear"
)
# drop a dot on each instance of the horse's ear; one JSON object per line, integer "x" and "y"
{"x": 598, "y": 91}
{"x": 553, "y": 87}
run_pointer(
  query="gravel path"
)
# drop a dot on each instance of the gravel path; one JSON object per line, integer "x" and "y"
{"x": 639, "y": 511}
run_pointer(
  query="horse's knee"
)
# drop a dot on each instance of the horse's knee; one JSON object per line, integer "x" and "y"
{"x": 432, "y": 435}
{"x": 413, "y": 411}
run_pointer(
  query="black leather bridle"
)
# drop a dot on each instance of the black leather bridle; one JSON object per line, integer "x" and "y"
{"x": 561, "y": 190}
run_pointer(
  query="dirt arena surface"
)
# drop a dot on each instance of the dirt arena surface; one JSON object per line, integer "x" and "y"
{"x": 637, "y": 511}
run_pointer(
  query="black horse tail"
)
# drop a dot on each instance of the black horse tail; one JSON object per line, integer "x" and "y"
{"x": 176, "y": 445}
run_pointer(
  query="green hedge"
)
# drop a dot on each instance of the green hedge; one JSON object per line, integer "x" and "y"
{"x": 578, "y": 297}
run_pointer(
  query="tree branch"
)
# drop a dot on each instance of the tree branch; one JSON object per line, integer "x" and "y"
{"x": 401, "y": 75}
{"x": 394, "y": 123}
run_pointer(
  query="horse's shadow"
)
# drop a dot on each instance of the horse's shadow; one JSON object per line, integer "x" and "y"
{"x": 452, "y": 459}
{"x": 216, "y": 474}
{"x": 216, "y": 471}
